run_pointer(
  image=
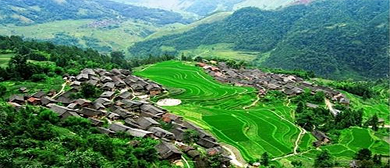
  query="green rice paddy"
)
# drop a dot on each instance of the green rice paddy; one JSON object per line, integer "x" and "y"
{"x": 266, "y": 127}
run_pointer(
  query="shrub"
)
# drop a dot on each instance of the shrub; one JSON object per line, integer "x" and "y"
{"x": 38, "y": 77}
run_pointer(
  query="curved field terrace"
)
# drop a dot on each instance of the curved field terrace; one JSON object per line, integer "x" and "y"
{"x": 219, "y": 108}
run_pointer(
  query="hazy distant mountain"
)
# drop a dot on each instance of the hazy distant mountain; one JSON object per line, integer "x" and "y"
{"x": 100, "y": 24}
{"x": 205, "y": 7}
{"x": 24, "y": 12}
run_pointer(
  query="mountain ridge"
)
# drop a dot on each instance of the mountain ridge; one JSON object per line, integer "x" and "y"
{"x": 326, "y": 34}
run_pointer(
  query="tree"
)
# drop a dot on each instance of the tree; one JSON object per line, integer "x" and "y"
{"x": 264, "y": 159}
{"x": 300, "y": 107}
{"x": 191, "y": 136}
{"x": 363, "y": 154}
{"x": 296, "y": 163}
{"x": 3, "y": 90}
{"x": 377, "y": 159}
{"x": 374, "y": 122}
{"x": 88, "y": 90}
{"x": 324, "y": 159}
{"x": 117, "y": 57}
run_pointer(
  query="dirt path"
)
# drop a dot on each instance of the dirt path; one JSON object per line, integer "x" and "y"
{"x": 185, "y": 160}
{"x": 62, "y": 90}
{"x": 303, "y": 132}
{"x": 330, "y": 107}
{"x": 236, "y": 157}
{"x": 254, "y": 103}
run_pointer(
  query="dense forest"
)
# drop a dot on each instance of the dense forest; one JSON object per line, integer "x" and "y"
{"x": 35, "y": 137}
{"x": 26, "y": 12}
{"x": 339, "y": 39}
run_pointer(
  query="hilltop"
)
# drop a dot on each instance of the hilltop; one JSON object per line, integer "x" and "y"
{"x": 323, "y": 36}
{"x": 203, "y": 8}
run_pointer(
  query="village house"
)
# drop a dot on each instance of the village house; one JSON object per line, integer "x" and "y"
{"x": 123, "y": 113}
{"x": 147, "y": 122}
{"x": 34, "y": 101}
{"x": 89, "y": 112}
{"x": 161, "y": 133}
{"x": 168, "y": 151}
{"x": 23, "y": 90}
{"x": 124, "y": 95}
{"x": 62, "y": 111}
{"x": 118, "y": 127}
{"x": 108, "y": 95}
{"x": 47, "y": 100}
{"x": 19, "y": 99}
{"x": 109, "y": 86}
{"x": 150, "y": 110}
{"x": 95, "y": 122}
{"x": 139, "y": 133}
{"x": 113, "y": 116}
{"x": 39, "y": 94}
{"x": 168, "y": 118}
{"x": 321, "y": 138}
{"x": 105, "y": 131}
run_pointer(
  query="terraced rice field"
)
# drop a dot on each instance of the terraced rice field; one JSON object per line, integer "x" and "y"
{"x": 266, "y": 127}
{"x": 219, "y": 108}
{"x": 4, "y": 59}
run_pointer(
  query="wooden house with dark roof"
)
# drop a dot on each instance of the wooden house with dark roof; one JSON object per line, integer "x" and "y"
{"x": 124, "y": 95}
{"x": 147, "y": 122}
{"x": 139, "y": 133}
{"x": 34, "y": 101}
{"x": 124, "y": 113}
{"x": 107, "y": 94}
{"x": 95, "y": 122}
{"x": 39, "y": 94}
{"x": 154, "y": 111}
{"x": 161, "y": 133}
{"x": 47, "y": 100}
{"x": 168, "y": 151}
{"x": 89, "y": 112}
{"x": 109, "y": 86}
{"x": 105, "y": 131}
{"x": 118, "y": 127}
{"x": 19, "y": 99}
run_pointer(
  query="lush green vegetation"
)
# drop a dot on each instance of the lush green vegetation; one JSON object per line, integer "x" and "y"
{"x": 351, "y": 38}
{"x": 267, "y": 127}
{"x": 32, "y": 12}
{"x": 36, "y": 137}
{"x": 219, "y": 108}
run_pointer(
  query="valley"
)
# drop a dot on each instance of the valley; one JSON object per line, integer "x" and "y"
{"x": 194, "y": 83}
{"x": 265, "y": 127}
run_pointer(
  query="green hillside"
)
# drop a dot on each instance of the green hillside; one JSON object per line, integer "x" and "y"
{"x": 206, "y": 7}
{"x": 25, "y": 12}
{"x": 269, "y": 126}
{"x": 101, "y": 25}
{"x": 337, "y": 39}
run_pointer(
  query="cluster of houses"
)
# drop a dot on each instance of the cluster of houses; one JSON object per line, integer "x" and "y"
{"x": 119, "y": 107}
{"x": 291, "y": 85}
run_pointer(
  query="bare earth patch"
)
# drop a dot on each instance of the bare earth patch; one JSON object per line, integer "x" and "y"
{"x": 169, "y": 102}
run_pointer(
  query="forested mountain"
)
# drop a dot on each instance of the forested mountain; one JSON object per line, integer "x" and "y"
{"x": 23, "y": 12}
{"x": 205, "y": 7}
{"x": 334, "y": 38}
{"x": 98, "y": 24}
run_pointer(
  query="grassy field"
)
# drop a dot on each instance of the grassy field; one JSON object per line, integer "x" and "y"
{"x": 33, "y": 87}
{"x": 4, "y": 59}
{"x": 266, "y": 127}
{"x": 221, "y": 50}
